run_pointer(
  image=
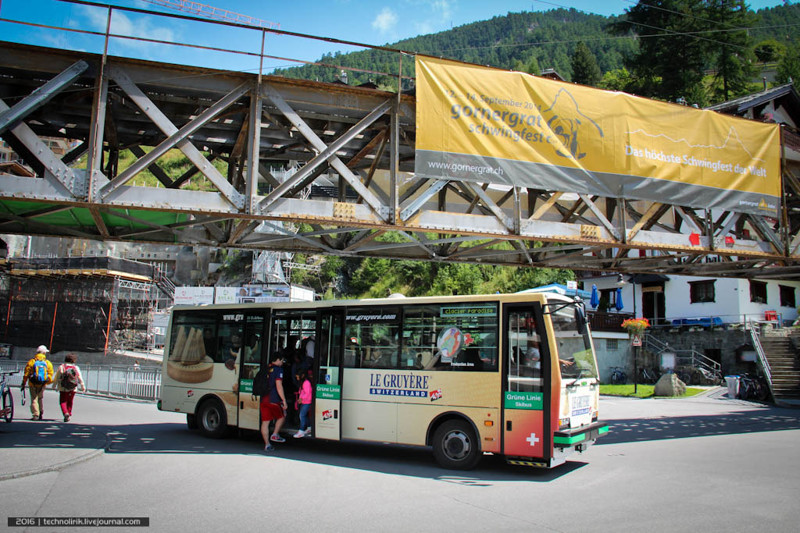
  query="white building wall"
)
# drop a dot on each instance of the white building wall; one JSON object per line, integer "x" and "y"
{"x": 678, "y": 303}
{"x": 732, "y": 298}
{"x": 612, "y": 350}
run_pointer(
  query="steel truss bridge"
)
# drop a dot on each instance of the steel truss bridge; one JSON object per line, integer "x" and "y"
{"x": 349, "y": 189}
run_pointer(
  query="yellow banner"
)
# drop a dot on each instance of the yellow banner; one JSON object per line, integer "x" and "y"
{"x": 491, "y": 126}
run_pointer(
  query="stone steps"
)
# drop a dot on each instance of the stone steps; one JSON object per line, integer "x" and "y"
{"x": 784, "y": 365}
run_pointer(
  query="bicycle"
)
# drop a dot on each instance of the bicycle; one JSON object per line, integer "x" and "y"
{"x": 647, "y": 376}
{"x": 8, "y": 400}
{"x": 712, "y": 377}
{"x": 753, "y": 388}
{"x": 618, "y": 377}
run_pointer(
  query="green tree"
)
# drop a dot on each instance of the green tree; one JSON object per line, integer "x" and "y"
{"x": 529, "y": 65}
{"x": 730, "y": 50}
{"x": 769, "y": 51}
{"x": 670, "y": 48}
{"x": 584, "y": 66}
{"x": 789, "y": 66}
{"x": 617, "y": 80}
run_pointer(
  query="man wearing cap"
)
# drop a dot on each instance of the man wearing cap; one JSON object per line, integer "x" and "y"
{"x": 38, "y": 374}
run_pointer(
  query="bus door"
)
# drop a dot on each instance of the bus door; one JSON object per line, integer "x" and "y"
{"x": 251, "y": 357}
{"x": 328, "y": 374}
{"x": 526, "y": 400}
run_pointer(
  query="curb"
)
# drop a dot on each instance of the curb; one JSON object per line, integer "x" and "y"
{"x": 58, "y": 466}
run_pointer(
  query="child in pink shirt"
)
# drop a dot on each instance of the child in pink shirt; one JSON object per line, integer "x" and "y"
{"x": 304, "y": 400}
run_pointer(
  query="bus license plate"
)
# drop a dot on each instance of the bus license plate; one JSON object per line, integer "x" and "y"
{"x": 581, "y": 405}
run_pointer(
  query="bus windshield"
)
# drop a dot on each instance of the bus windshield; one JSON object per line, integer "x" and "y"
{"x": 574, "y": 349}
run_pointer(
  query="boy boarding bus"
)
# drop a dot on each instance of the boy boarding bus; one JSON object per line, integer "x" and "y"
{"x": 513, "y": 374}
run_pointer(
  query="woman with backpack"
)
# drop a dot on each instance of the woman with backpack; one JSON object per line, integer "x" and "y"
{"x": 68, "y": 379}
{"x": 38, "y": 373}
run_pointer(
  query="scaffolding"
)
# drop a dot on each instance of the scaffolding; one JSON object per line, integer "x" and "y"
{"x": 98, "y": 304}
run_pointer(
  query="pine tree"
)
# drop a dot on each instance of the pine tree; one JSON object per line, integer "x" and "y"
{"x": 671, "y": 56}
{"x": 584, "y": 66}
{"x": 731, "y": 49}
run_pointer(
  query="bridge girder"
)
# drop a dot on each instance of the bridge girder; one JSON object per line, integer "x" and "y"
{"x": 351, "y": 190}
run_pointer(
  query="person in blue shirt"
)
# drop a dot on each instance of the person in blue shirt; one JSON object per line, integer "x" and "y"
{"x": 273, "y": 405}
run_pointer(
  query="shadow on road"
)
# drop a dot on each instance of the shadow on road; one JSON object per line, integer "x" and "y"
{"x": 173, "y": 438}
{"x": 682, "y": 427}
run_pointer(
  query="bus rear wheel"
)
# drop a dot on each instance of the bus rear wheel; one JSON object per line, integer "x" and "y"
{"x": 455, "y": 446}
{"x": 212, "y": 419}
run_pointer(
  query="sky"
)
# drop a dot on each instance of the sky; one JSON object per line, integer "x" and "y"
{"x": 371, "y": 22}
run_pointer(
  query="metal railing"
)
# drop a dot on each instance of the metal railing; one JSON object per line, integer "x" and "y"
{"x": 755, "y": 336}
{"x": 113, "y": 381}
{"x": 688, "y": 357}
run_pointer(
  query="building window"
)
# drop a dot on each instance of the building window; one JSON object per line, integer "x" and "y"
{"x": 758, "y": 291}
{"x": 787, "y": 296}
{"x": 701, "y": 291}
{"x": 612, "y": 345}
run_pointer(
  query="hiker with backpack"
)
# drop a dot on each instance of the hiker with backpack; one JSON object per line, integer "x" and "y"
{"x": 68, "y": 379}
{"x": 38, "y": 374}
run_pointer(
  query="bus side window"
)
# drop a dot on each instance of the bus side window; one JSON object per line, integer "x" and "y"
{"x": 193, "y": 337}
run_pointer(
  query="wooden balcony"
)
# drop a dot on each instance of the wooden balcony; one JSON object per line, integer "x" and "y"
{"x": 599, "y": 321}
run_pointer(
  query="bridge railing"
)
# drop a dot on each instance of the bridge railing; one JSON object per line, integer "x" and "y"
{"x": 114, "y": 381}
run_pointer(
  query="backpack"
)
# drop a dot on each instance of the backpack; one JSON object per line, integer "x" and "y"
{"x": 69, "y": 378}
{"x": 39, "y": 372}
{"x": 261, "y": 382}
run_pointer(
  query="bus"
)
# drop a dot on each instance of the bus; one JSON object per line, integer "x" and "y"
{"x": 507, "y": 374}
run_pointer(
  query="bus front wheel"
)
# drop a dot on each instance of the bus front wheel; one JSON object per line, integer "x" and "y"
{"x": 8, "y": 406}
{"x": 191, "y": 421}
{"x": 212, "y": 419}
{"x": 455, "y": 446}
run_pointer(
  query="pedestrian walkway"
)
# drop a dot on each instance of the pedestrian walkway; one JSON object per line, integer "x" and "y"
{"x": 33, "y": 447}
{"x": 29, "y": 447}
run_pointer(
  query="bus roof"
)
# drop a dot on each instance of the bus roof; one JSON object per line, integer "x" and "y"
{"x": 393, "y": 301}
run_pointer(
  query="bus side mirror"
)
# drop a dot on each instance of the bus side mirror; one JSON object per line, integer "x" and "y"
{"x": 580, "y": 319}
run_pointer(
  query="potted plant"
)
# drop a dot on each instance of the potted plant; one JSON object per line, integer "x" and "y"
{"x": 635, "y": 326}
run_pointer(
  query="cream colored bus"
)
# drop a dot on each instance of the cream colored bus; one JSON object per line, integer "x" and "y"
{"x": 512, "y": 374}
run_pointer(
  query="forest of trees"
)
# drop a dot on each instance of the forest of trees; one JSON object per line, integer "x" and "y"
{"x": 703, "y": 51}
{"x": 695, "y": 51}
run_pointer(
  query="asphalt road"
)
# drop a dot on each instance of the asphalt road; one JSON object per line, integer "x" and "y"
{"x": 698, "y": 464}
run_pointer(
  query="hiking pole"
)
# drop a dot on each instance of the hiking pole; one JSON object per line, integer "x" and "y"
{"x": 23, "y": 396}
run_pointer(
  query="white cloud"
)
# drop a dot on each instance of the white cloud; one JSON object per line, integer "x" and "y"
{"x": 385, "y": 21}
{"x": 121, "y": 24}
{"x": 430, "y": 17}
{"x": 59, "y": 41}
{"x": 444, "y": 8}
